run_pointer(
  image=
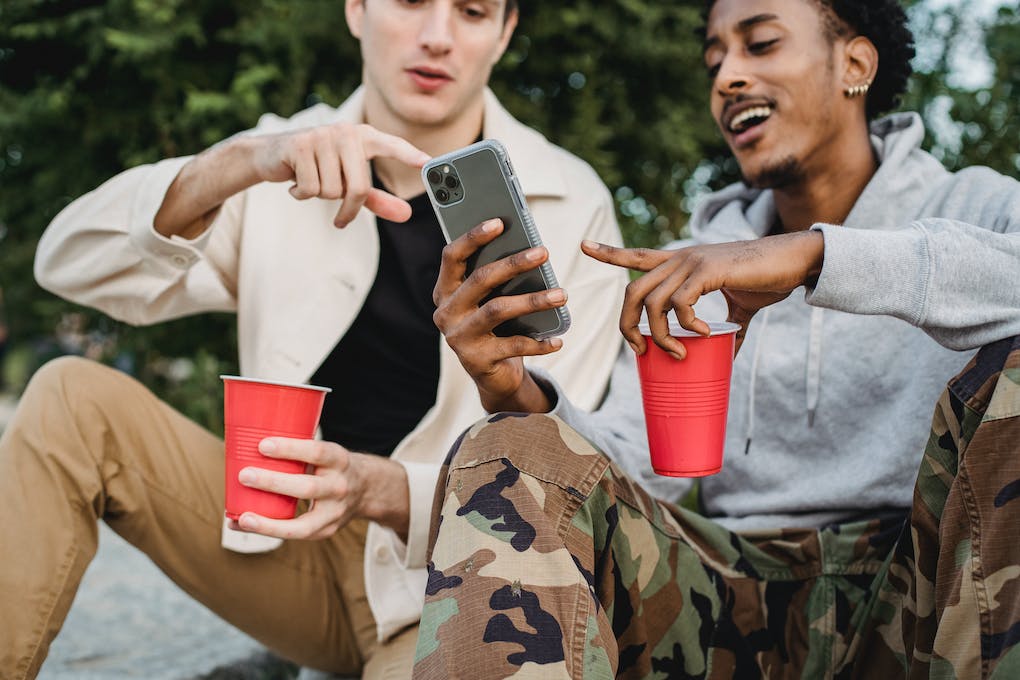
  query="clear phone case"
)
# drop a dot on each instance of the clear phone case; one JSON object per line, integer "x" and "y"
{"x": 475, "y": 184}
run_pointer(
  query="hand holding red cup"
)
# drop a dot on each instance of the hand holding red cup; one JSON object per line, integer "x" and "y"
{"x": 254, "y": 410}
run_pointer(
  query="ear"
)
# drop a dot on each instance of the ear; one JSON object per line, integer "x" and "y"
{"x": 861, "y": 62}
{"x": 354, "y": 10}
{"x": 509, "y": 25}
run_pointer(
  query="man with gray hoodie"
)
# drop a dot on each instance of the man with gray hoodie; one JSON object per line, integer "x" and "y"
{"x": 819, "y": 550}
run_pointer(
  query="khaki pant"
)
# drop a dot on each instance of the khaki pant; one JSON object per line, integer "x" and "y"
{"x": 88, "y": 443}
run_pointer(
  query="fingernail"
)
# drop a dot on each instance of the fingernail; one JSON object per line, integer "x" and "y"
{"x": 675, "y": 356}
{"x": 248, "y": 522}
{"x": 590, "y": 245}
{"x": 490, "y": 226}
{"x": 634, "y": 347}
{"x": 534, "y": 254}
{"x": 246, "y": 476}
{"x": 558, "y": 295}
{"x": 267, "y": 446}
{"x": 555, "y": 343}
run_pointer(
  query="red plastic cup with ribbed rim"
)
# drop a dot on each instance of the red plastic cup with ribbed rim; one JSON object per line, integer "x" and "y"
{"x": 686, "y": 401}
{"x": 256, "y": 409}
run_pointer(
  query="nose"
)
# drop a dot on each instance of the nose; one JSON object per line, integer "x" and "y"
{"x": 732, "y": 76}
{"x": 436, "y": 35}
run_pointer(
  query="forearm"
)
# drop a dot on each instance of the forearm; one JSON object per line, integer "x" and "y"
{"x": 202, "y": 186}
{"x": 955, "y": 281}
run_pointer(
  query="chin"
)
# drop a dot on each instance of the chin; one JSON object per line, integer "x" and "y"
{"x": 774, "y": 174}
{"x": 425, "y": 110}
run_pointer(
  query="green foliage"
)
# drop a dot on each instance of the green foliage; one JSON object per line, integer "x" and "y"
{"x": 627, "y": 91}
{"x": 91, "y": 87}
{"x": 972, "y": 127}
{"x": 88, "y": 89}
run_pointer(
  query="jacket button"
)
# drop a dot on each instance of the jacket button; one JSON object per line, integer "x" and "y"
{"x": 179, "y": 260}
{"x": 382, "y": 554}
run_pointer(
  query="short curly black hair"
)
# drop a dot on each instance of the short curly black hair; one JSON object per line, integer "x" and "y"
{"x": 884, "y": 23}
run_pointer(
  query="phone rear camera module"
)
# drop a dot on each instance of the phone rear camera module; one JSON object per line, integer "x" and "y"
{"x": 451, "y": 182}
{"x": 435, "y": 177}
{"x": 442, "y": 195}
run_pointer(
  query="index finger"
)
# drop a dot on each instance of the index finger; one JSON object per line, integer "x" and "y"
{"x": 640, "y": 259}
{"x": 378, "y": 143}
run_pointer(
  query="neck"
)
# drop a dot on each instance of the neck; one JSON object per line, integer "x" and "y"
{"x": 432, "y": 138}
{"x": 830, "y": 188}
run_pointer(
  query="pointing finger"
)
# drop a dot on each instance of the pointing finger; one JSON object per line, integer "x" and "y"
{"x": 641, "y": 259}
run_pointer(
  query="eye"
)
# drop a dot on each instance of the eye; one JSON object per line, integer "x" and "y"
{"x": 761, "y": 46}
{"x": 474, "y": 12}
{"x": 713, "y": 70}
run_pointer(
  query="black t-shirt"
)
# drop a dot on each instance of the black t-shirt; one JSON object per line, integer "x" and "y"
{"x": 385, "y": 370}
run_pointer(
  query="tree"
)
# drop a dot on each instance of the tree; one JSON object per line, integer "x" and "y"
{"x": 980, "y": 126}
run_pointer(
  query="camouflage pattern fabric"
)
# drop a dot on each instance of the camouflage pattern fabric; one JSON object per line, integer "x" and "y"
{"x": 548, "y": 562}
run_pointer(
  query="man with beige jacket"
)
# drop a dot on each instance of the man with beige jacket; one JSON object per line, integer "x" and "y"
{"x": 250, "y": 226}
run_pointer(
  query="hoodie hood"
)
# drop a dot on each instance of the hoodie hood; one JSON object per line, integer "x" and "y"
{"x": 739, "y": 212}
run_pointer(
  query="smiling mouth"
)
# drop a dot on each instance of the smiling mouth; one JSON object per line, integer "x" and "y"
{"x": 749, "y": 118}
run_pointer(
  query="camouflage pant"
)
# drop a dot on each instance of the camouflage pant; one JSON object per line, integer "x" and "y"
{"x": 549, "y": 562}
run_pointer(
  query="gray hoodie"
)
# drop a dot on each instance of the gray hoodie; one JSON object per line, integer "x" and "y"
{"x": 833, "y": 392}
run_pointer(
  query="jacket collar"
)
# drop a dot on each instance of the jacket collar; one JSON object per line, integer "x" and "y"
{"x": 531, "y": 153}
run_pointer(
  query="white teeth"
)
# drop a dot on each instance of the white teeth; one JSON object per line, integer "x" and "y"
{"x": 743, "y": 116}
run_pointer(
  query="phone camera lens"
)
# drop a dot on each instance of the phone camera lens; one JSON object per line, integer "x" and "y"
{"x": 442, "y": 195}
{"x": 435, "y": 176}
{"x": 451, "y": 182}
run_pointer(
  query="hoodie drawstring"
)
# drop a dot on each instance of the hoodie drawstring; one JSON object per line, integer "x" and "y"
{"x": 755, "y": 358}
{"x": 813, "y": 377}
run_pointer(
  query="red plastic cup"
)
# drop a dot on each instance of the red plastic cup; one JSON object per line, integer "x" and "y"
{"x": 254, "y": 410}
{"x": 686, "y": 401}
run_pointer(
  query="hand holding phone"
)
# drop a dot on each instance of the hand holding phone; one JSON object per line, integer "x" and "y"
{"x": 475, "y": 184}
{"x": 467, "y": 314}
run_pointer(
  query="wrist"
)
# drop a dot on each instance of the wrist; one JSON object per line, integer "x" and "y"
{"x": 814, "y": 245}
{"x": 203, "y": 184}
{"x": 386, "y": 498}
{"x": 529, "y": 397}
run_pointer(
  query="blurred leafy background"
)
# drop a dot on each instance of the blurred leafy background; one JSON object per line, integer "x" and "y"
{"x": 90, "y": 87}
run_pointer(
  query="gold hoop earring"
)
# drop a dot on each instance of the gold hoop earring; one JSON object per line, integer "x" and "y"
{"x": 857, "y": 90}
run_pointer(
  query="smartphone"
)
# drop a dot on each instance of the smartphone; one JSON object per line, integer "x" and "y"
{"x": 475, "y": 184}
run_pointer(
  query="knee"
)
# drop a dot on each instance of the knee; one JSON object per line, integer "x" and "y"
{"x": 55, "y": 406}
{"x": 499, "y": 435}
{"x": 540, "y": 445}
{"x": 69, "y": 383}
{"x": 57, "y": 374}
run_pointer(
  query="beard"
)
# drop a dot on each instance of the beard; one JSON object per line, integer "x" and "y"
{"x": 779, "y": 175}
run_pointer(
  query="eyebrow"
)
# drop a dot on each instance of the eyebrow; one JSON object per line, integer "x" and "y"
{"x": 743, "y": 26}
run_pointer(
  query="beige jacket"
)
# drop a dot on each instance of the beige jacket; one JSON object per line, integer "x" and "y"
{"x": 297, "y": 284}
